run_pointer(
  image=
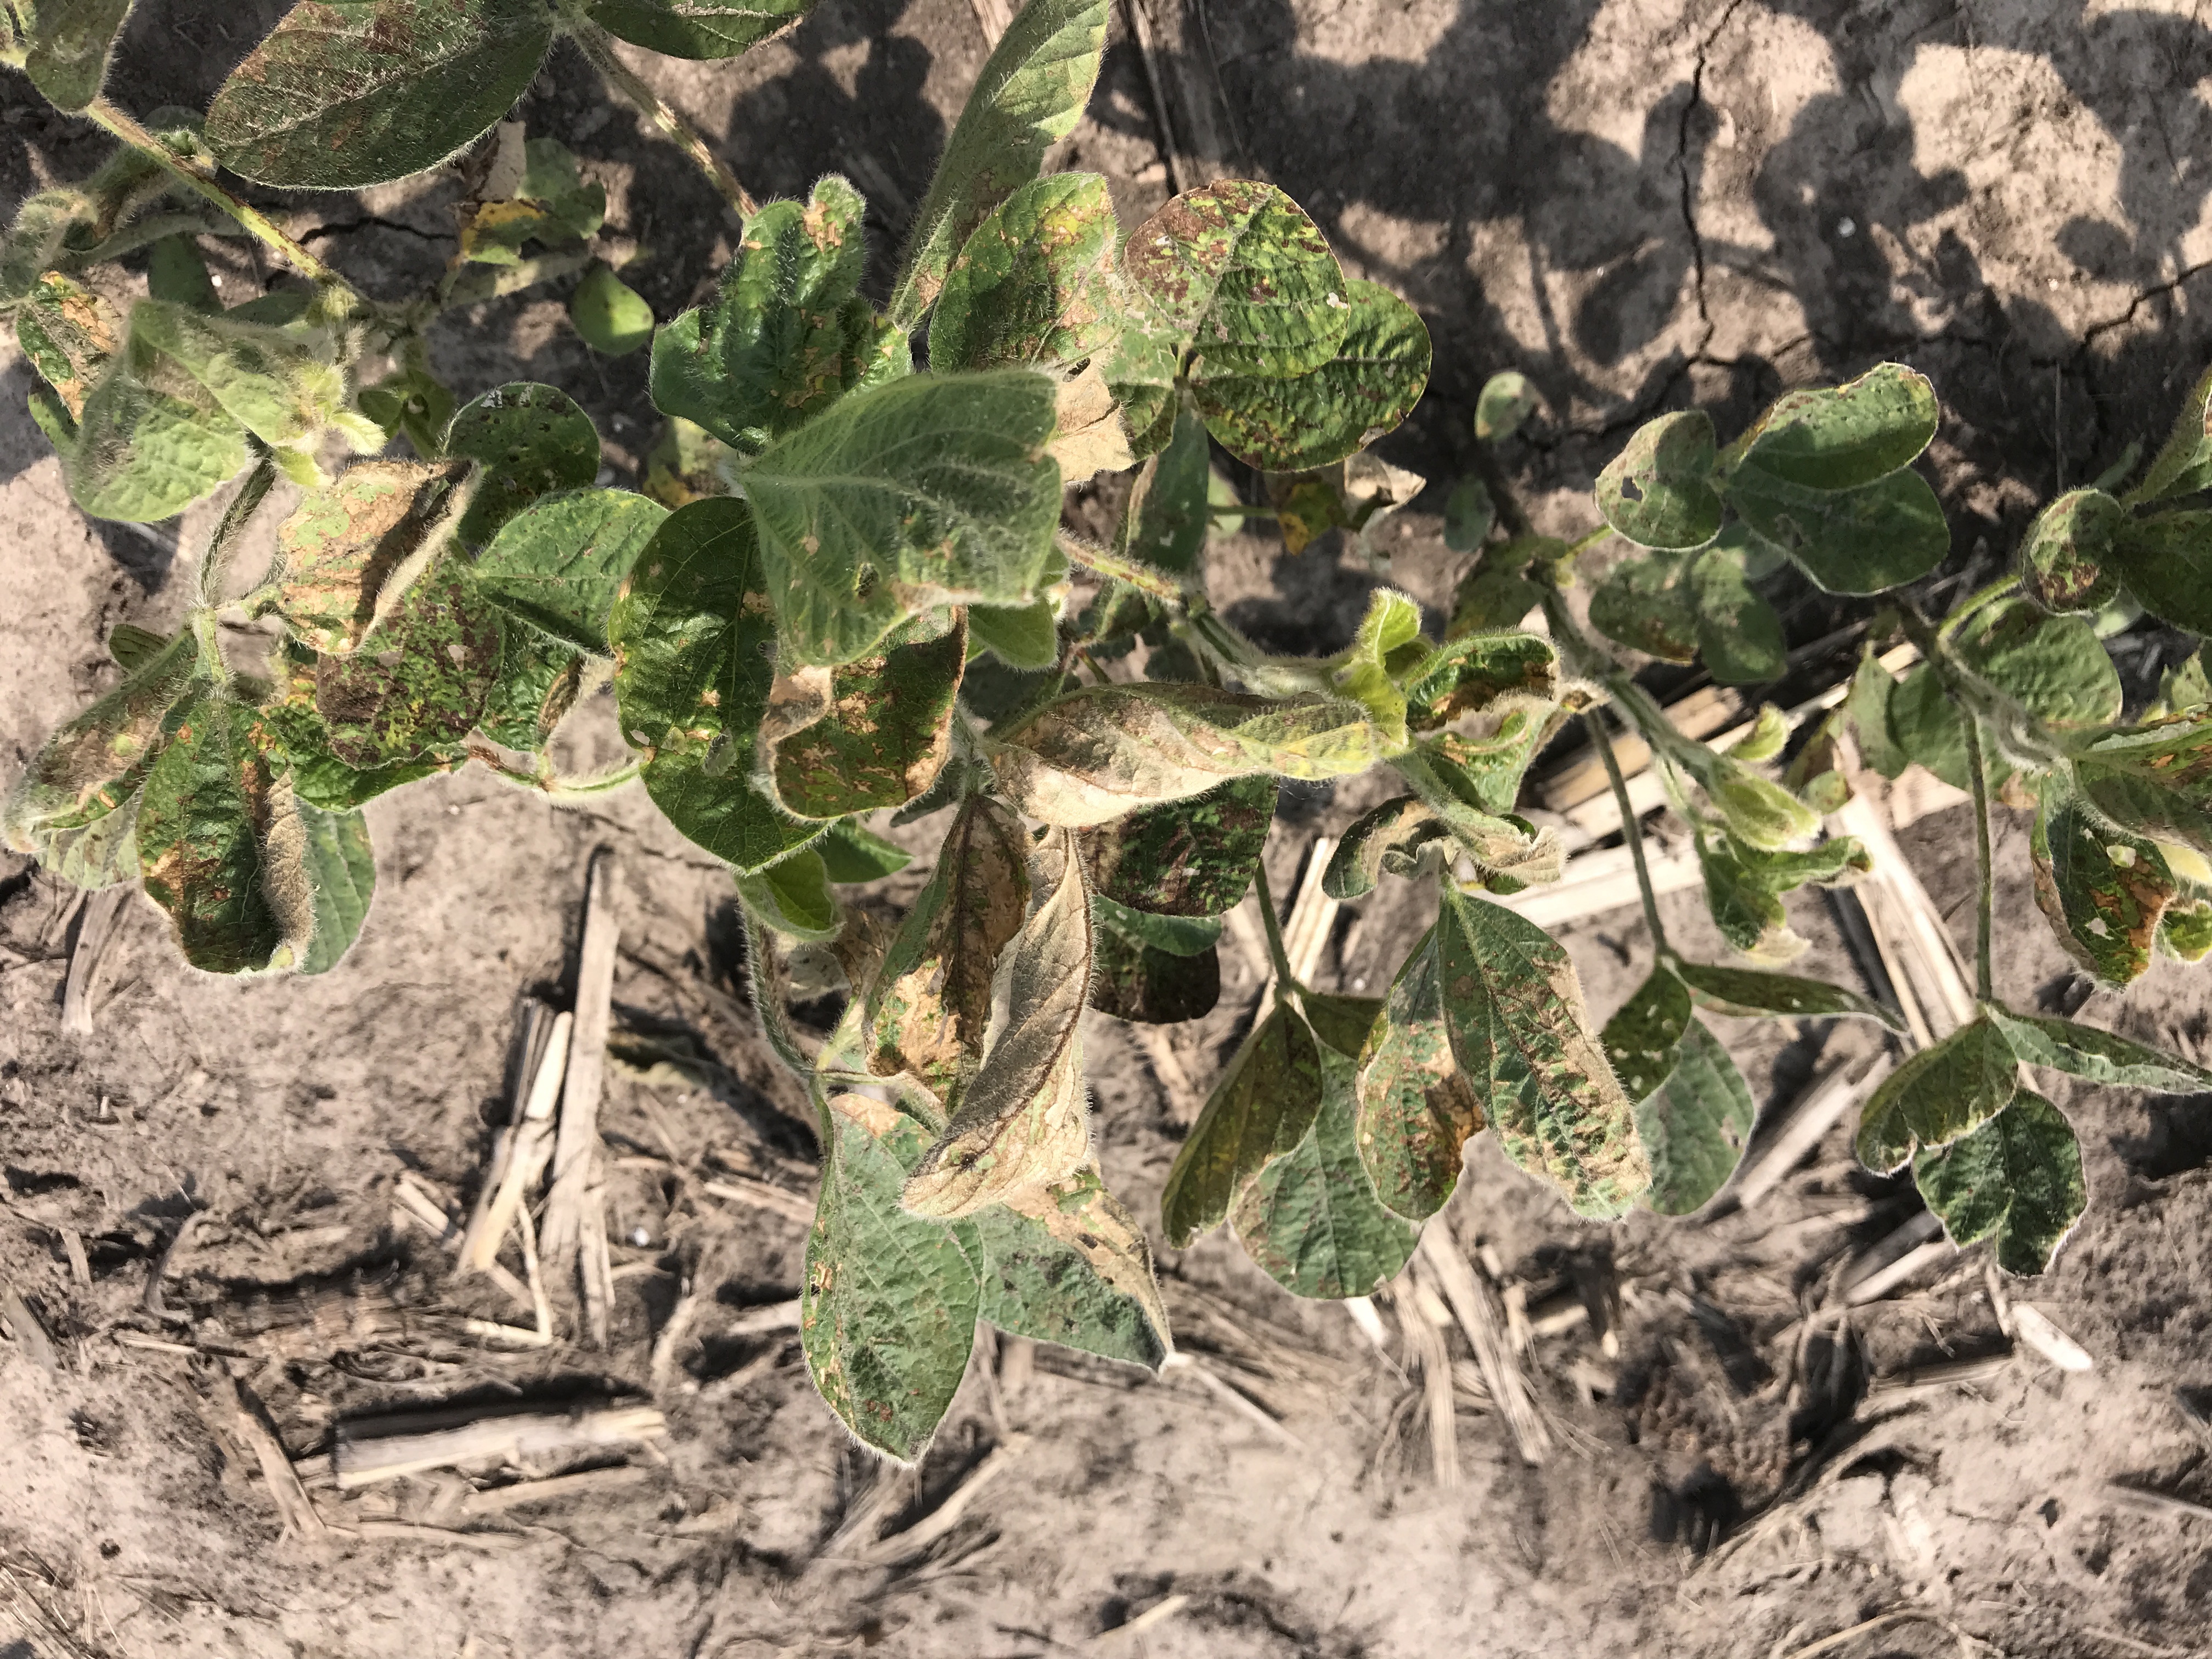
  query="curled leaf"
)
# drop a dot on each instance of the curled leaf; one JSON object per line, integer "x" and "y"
{"x": 344, "y": 545}
{"x": 2064, "y": 562}
{"x": 1417, "y": 1108}
{"x": 1754, "y": 992}
{"x": 1035, "y": 284}
{"x": 2103, "y": 890}
{"x": 1066, "y": 1263}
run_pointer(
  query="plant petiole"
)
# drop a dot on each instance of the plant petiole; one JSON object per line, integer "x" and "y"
{"x": 1631, "y": 831}
{"x": 1144, "y": 578}
{"x": 594, "y": 43}
{"x": 1985, "y": 884}
{"x": 1286, "y": 981}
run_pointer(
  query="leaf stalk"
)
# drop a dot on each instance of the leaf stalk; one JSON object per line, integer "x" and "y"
{"x": 1984, "y": 882}
{"x": 1631, "y": 831}
{"x": 595, "y": 45}
{"x": 1276, "y": 955}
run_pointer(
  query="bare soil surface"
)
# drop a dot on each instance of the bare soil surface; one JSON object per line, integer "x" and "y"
{"x": 1642, "y": 204}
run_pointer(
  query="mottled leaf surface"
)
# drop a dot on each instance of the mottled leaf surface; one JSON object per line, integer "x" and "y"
{"x": 2083, "y": 1051}
{"x": 1865, "y": 540}
{"x": 1695, "y": 1125}
{"x": 343, "y": 544}
{"x": 72, "y": 41}
{"x": 885, "y": 727}
{"x": 557, "y": 565}
{"x": 150, "y": 441}
{"x": 1417, "y": 1108}
{"x": 1837, "y": 438}
{"x": 1938, "y": 1095}
{"x": 531, "y": 440}
{"x": 1260, "y": 1110}
{"x": 2055, "y": 666}
{"x": 2065, "y": 562}
{"x": 1240, "y": 270}
{"x": 1035, "y": 284}
{"x": 1754, "y": 992}
{"x": 2166, "y": 563}
{"x": 696, "y": 28}
{"x": 1639, "y": 1040}
{"x": 1068, "y": 1264}
{"x": 1135, "y": 980}
{"x": 1190, "y": 858}
{"x": 2103, "y": 890}
{"x": 2017, "y": 1182}
{"x": 424, "y": 688}
{"x": 1658, "y": 491}
{"x": 2156, "y": 778}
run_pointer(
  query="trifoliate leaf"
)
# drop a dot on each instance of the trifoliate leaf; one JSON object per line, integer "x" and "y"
{"x": 2065, "y": 562}
{"x": 1023, "y": 636}
{"x": 2054, "y": 667}
{"x": 1068, "y": 1264}
{"x": 1739, "y": 636}
{"x": 1261, "y": 1109}
{"x": 1939, "y": 1095}
{"x": 793, "y": 896}
{"x": 1658, "y": 492}
{"x": 69, "y": 333}
{"x": 1166, "y": 518}
{"x": 1192, "y": 858}
{"x": 2183, "y": 464}
{"x": 1385, "y": 839}
{"x": 1695, "y": 1124}
{"x": 557, "y": 565}
{"x": 1136, "y": 980}
{"x": 539, "y": 680}
{"x": 70, "y": 43}
{"x": 2166, "y": 563}
{"x": 2156, "y": 778}
{"x": 874, "y": 732}
{"x": 414, "y": 403}
{"x": 1417, "y": 1108}
{"x": 531, "y": 440}
{"x": 1500, "y": 674}
{"x": 1178, "y": 936}
{"x": 1468, "y": 516}
{"x": 1845, "y": 437}
{"x": 852, "y": 853}
{"x": 1505, "y": 401}
{"x": 176, "y": 275}
{"x": 339, "y": 865}
{"x": 2185, "y": 931}
{"x": 150, "y": 441}
{"x": 2015, "y": 1180}
{"x": 422, "y": 689}
{"x": 1035, "y": 284}
{"x": 2083, "y": 1051}
{"x": 1386, "y": 643}
{"x": 1865, "y": 540}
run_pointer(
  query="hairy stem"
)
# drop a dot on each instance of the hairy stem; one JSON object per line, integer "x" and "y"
{"x": 201, "y": 177}
{"x": 1589, "y": 539}
{"x": 1985, "y": 883}
{"x": 1276, "y": 953}
{"x": 767, "y": 1002}
{"x": 1631, "y": 831}
{"x": 214, "y": 564}
{"x": 1144, "y": 578}
{"x": 596, "y": 46}
{"x": 2002, "y": 588}
{"x": 545, "y": 781}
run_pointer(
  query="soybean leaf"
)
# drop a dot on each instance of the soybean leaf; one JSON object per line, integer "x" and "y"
{"x": 2054, "y": 667}
{"x": 422, "y": 690}
{"x": 1178, "y": 936}
{"x": 91, "y": 769}
{"x": 1513, "y": 1013}
{"x": 1103, "y": 750}
{"x": 1135, "y": 980}
{"x": 1640, "y": 1039}
{"x": 2186, "y": 686}
{"x": 691, "y": 633}
{"x": 1261, "y": 1109}
{"x": 1143, "y": 371}
{"x": 2103, "y": 890}
{"x": 888, "y": 1313}
{"x": 1648, "y": 605}
{"x": 929, "y": 1006}
{"x": 348, "y": 93}
{"x": 1876, "y": 537}
{"x": 1387, "y": 839}
{"x": 1695, "y": 1124}
{"x": 1739, "y": 636}
{"x": 2016, "y": 1180}
{"x": 43, "y": 225}
{"x": 413, "y": 404}
{"x": 1035, "y": 284}
{"x": 276, "y": 386}
{"x": 1468, "y": 515}
{"x": 1867, "y": 705}
{"x": 1658, "y": 492}
{"x": 1747, "y": 911}
{"x": 2185, "y": 931}
{"x": 2166, "y": 563}
{"x": 1025, "y": 637}
{"x": 1030, "y": 92}
{"x": 1496, "y": 594}
{"x": 133, "y": 647}
{"x": 532, "y": 440}
{"x": 2065, "y": 564}
{"x": 1754, "y": 992}
{"x": 1239, "y": 269}
{"x": 852, "y": 853}
{"x": 1166, "y": 518}
{"x": 340, "y": 867}
{"x": 1192, "y": 858}
{"x": 71, "y": 42}
{"x": 1483, "y": 672}
{"x": 1939, "y": 1094}
{"x": 2083, "y": 1051}
{"x": 1499, "y": 842}
{"x": 539, "y": 682}
{"x": 150, "y": 441}
{"x": 295, "y": 736}
{"x": 1341, "y": 1023}
{"x": 69, "y": 333}
{"x": 1505, "y": 401}
{"x": 1838, "y": 438}
{"x": 787, "y": 333}
{"x": 1926, "y": 730}
{"x": 1068, "y": 1264}
{"x": 612, "y": 316}
{"x": 557, "y": 565}
{"x": 928, "y": 489}
{"x": 1310, "y": 1218}
{"x": 696, "y": 28}
{"x": 793, "y": 896}
{"x": 176, "y": 275}
{"x": 1759, "y": 810}
{"x": 2156, "y": 778}
{"x": 2183, "y": 464}
{"x": 1023, "y": 1120}
{"x": 1281, "y": 421}
{"x": 202, "y": 825}
{"x": 874, "y": 732}
{"x": 1417, "y": 1108}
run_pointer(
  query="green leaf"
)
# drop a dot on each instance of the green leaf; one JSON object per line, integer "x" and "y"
{"x": 1285, "y": 421}
{"x": 2185, "y": 931}
{"x": 1238, "y": 268}
{"x": 1748, "y": 911}
{"x": 1468, "y": 515}
{"x": 888, "y": 1312}
{"x": 2166, "y": 563}
{"x": 537, "y": 685}
{"x": 340, "y": 867}
{"x": 2183, "y": 464}
{"x": 2103, "y": 890}
{"x": 348, "y": 93}
{"x": 420, "y": 691}
{"x": 343, "y": 546}
{"x": 1389, "y": 637}
{"x": 853, "y": 854}
{"x": 1450, "y": 776}
{"x": 1639, "y": 1040}
{"x": 1192, "y": 858}
{"x": 691, "y": 634}
{"x": 1838, "y": 438}
{"x": 612, "y": 316}
{"x": 91, "y": 769}
{"x": 1260, "y": 1110}
{"x": 2083, "y": 1051}
{"x": 531, "y": 440}
{"x": 1513, "y": 1013}
{"x": 296, "y": 738}
{"x": 150, "y": 442}
{"x": 2016, "y": 1180}
{"x": 1417, "y": 1108}
{"x": 282, "y": 390}
{"x": 1023, "y": 1120}
{"x": 1867, "y": 705}
{"x": 793, "y": 896}
{"x": 203, "y": 822}
{"x": 928, "y": 489}
{"x": 1759, "y": 811}
{"x": 1024, "y": 637}
{"x": 788, "y": 334}
{"x": 1648, "y": 605}
{"x": 1695, "y": 1125}
{"x": 70, "y": 334}
{"x": 1852, "y": 541}
{"x": 1030, "y": 94}
{"x": 2054, "y": 667}
{"x": 414, "y": 403}
{"x": 696, "y": 28}
{"x": 1177, "y": 936}
{"x": 133, "y": 647}
{"x": 1658, "y": 492}
{"x": 1928, "y": 731}
{"x": 1505, "y": 401}
{"x": 1340, "y": 1023}
{"x": 1739, "y": 636}
{"x": 71, "y": 43}
{"x": 1167, "y": 514}
{"x": 1103, "y": 750}
{"x": 2186, "y": 686}
{"x": 1754, "y": 992}
{"x": 874, "y": 732}
{"x": 1135, "y": 980}
{"x": 1310, "y": 1218}
{"x": 557, "y": 565}
{"x": 38, "y": 236}
{"x": 2065, "y": 564}
{"x": 1385, "y": 839}
{"x": 1939, "y": 1095}
{"x": 176, "y": 275}
{"x": 2156, "y": 778}
{"x": 929, "y": 1006}
{"x": 1068, "y": 1264}
{"x": 1498, "y": 674}
{"x": 1035, "y": 284}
